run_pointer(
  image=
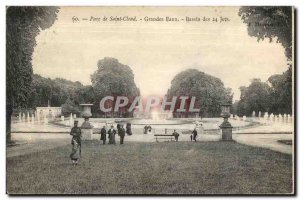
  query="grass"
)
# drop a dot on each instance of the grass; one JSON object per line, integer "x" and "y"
{"x": 152, "y": 168}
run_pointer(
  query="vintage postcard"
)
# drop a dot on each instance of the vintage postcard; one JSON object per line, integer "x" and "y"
{"x": 150, "y": 100}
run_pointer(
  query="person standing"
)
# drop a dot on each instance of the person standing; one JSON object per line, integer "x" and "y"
{"x": 76, "y": 143}
{"x": 195, "y": 135}
{"x": 176, "y": 135}
{"x": 146, "y": 129}
{"x": 122, "y": 134}
{"x": 128, "y": 129}
{"x": 149, "y": 129}
{"x": 103, "y": 135}
{"x": 118, "y": 127}
{"x": 111, "y": 135}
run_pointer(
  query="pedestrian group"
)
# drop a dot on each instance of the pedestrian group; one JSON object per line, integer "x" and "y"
{"x": 111, "y": 135}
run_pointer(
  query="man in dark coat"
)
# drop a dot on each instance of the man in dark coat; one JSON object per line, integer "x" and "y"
{"x": 195, "y": 135}
{"x": 176, "y": 135}
{"x": 103, "y": 135}
{"x": 122, "y": 134}
{"x": 146, "y": 129}
{"x": 128, "y": 129}
{"x": 118, "y": 127}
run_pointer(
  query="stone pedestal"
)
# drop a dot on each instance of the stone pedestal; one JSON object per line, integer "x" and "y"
{"x": 226, "y": 133}
{"x": 86, "y": 130}
{"x": 86, "y": 134}
{"x": 226, "y": 130}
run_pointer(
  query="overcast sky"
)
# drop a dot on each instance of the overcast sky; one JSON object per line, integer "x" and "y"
{"x": 156, "y": 51}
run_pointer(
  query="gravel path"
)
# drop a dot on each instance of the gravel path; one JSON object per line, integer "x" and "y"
{"x": 257, "y": 136}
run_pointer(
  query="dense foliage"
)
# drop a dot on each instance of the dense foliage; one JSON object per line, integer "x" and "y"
{"x": 276, "y": 96}
{"x": 270, "y": 22}
{"x": 114, "y": 79}
{"x": 208, "y": 90}
{"x": 23, "y": 24}
{"x": 281, "y": 96}
{"x": 57, "y": 92}
{"x": 273, "y": 96}
{"x": 255, "y": 97}
{"x": 110, "y": 79}
{"x": 70, "y": 107}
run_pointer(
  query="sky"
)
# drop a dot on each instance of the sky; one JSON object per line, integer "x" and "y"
{"x": 156, "y": 51}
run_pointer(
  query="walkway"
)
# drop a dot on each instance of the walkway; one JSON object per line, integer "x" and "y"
{"x": 257, "y": 136}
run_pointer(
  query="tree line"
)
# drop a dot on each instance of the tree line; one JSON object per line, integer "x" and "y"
{"x": 23, "y": 24}
{"x": 273, "y": 96}
{"x": 110, "y": 79}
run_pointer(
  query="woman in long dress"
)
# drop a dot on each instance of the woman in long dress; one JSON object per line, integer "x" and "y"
{"x": 111, "y": 135}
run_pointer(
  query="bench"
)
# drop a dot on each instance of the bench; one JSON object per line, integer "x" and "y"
{"x": 166, "y": 137}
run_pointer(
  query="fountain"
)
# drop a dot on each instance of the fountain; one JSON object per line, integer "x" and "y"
{"x": 28, "y": 117}
{"x": 155, "y": 117}
{"x": 45, "y": 118}
{"x": 71, "y": 121}
{"x": 35, "y": 115}
{"x": 253, "y": 113}
{"x": 38, "y": 117}
{"x": 23, "y": 117}
{"x": 284, "y": 117}
{"x": 280, "y": 118}
{"x": 271, "y": 117}
{"x": 20, "y": 117}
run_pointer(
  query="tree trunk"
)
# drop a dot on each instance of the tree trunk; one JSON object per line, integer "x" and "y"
{"x": 9, "y": 112}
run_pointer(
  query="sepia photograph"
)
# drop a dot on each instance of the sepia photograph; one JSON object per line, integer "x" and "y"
{"x": 150, "y": 100}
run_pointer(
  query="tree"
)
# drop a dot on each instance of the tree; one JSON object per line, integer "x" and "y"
{"x": 57, "y": 91}
{"x": 40, "y": 91}
{"x": 208, "y": 90}
{"x": 69, "y": 89}
{"x": 255, "y": 97}
{"x": 281, "y": 95}
{"x": 275, "y": 97}
{"x": 270, "y": 22}
{"x": 234, "y": 107}
{"x": 113, "y": 79}
{"x": 84, "y": 94}
{"x": 70, "y": 107}
{"x": 23, "y": 24}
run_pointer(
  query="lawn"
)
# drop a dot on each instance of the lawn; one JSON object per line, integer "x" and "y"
{"x": 152, "y": 168}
